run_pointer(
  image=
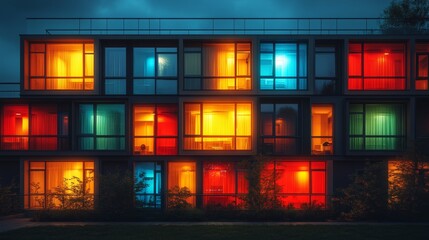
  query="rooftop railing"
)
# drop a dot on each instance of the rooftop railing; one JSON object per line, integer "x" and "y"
{"x": 203, "y": 26}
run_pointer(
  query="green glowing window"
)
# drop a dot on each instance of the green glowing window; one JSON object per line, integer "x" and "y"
{"x": 377, "y": 127}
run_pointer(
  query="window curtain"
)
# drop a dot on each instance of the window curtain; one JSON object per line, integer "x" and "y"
{"x": 217, "y": 115}
{"x": 293, "y": 177}
{"x": 144, "y": 62}
{"x": 115, "y": 67}
{"x": 182, "y": 174}
{"x": 219, "y": 60}
{"x": 218, "y": 178}
{"x": 43, "y": 122}
{"x": 110, "y": 127}
{"x": 388, "y": 67}
{"x": 15, "y": 127}
{"x": 64, "y": 61}
{"x": 385, "y": 123}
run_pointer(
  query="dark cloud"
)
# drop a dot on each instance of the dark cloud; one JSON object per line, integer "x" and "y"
{"x": 14, "y": 12}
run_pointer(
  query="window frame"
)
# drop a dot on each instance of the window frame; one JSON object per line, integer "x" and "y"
{"x": 155, "y": 136}
{"x": 299, "y": 79}
{"x": 87, "y": 84}
{"x": 192, "y": 48}
{"x": 362, "y": 77}
{"x": 201, "y": 134}
{"x": 80, "y": 136}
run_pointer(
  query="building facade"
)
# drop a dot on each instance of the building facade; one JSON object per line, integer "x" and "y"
{"x": 185, "y": 110}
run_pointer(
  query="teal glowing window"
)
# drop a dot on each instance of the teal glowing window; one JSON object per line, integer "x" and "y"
{"x": 283, "y": 66}
{"x": 377, "y": 127}
{"x": 148, "y": 183}
{"x": 101, "y": 127}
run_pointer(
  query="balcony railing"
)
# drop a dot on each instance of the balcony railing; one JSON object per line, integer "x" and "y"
{"x": 203, "y": 26}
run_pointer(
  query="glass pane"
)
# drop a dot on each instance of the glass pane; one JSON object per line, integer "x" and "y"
{"x": 422, "y": 66}
{"x": 192, "y": 119}
{"x": 110, "y": 119}
{"x": 86, "y": 113}
{"x": 192, "y": 83}
{"x": 266, "y": 64}
{"x": 182, "y": 175}
{"x": 167, "y": 120}
{"x": 286, "y": 60}
{"x": 115, "y": 64}
{"x": 144, "y": 86}
{"x": 302, "y": 60}
{"x": 285, "y": 84}
{"x": 324, "y": 86}
{"x": 167, "y": 65}
{"x": 192, "y": 64}
{"x": 144, "y": 62}
{"x": 218, "y": 119}
{"x": 219, "y": 60}
{"x": 115, "y": 87}
{"x": 325, "y": 65}
{"x": 267, "y": 84}
{"x": 166, "y": 86}
{"x": 286, "y": 119}
{"x": 64, "y": 60}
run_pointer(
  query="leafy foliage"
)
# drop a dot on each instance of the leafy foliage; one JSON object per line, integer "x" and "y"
{"x": 409, "y": 183}
{"x": 8, "y": 199}
{"x": 406, "y": 16}
{"x": 263, "y": 187}
{"x": 365, "y": 197}
{"x": 177, "y": 198}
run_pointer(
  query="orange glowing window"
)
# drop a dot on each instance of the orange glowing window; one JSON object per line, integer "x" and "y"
{"x": 155, "y": 129}
{"x": 183, "y": 175}
{"x": 377, "y": 66}
{"x": 321, "y": 129}
{"x": 31, "y": 127}
{"x": 218, "y": 66}
{"x": 222, "y": 184}
{"x": 218, "y": 126}
{"x": 60, "y": 66}
{"x": 299, "y": 182}
{"x": 48, "y": 184}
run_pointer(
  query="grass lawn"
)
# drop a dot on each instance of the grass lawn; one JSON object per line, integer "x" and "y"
{"x": 312, "y": 232}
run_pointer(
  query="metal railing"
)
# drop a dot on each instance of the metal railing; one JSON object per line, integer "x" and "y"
{"x": 203, "y": 26}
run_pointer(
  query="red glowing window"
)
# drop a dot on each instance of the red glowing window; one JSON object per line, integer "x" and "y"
{"x": 377, "y": 66}
{"x": 34, "y": 131}
{"x": 299, "y": 183}
{"x": 222, "y": 184}
{"x": 155, "y": 129}
{"x": 422, "y": 71}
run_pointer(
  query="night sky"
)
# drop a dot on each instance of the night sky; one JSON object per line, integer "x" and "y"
{"x": 14, "y": 12}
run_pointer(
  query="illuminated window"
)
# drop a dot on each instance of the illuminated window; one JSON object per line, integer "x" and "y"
{"x": 422, "y": 71}
{"x": 63, "y": 185}
{"x": 115, "y": 71}
{"x": 218, "y": 126}
{"x": 321, "y": 129}
{"x": 279, "y": 128}
{"x": 299, "y": 183}
{"x": 283, "y": 66}
{"x": 325, "y": 69}
{"x": 218, "y": 66}
{"x": 377, "y": 127}
{"x": 34, "y": 127}
{"x": 148, "y": 184}
{"x": 60, "y": 66}
{"x": 155, "y": 70}
{"x": 182, "y": 175}
{"x": 223, "y": 184}
{"x": 155, "y": 129}
{"x": 101, "y": 127}
{"x": 376, "y": 66}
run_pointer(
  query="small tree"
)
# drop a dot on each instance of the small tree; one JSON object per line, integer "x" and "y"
{"x": 406, "y": 16}
{"x": 263, "y": 188}
{"x": 409, "y": 183}
{"x": 365, "y": 197}
{"x": 74, "y": 194}
{"x": 177, "y": 198}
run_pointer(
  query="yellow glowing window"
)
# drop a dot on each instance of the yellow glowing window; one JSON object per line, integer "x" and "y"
{"x": 218, "y": 126}
{"x": 321, "y": 129}
{"x": 65, "y": 185}
{"x": 218, "y": 66}
{"x": 60, "y": 66}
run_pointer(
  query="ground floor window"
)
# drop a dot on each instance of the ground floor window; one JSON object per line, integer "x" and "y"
{"x": 223, "y": 184}
{"x": 59, "y": 184}
{"x": 181, "y": 184}
{"x": 148, "y": 184}
{"x": 298, "y": 183}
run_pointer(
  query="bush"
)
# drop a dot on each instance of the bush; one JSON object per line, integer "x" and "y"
{"x": 366, "y": 197}
{"x": 8, "y": 200}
